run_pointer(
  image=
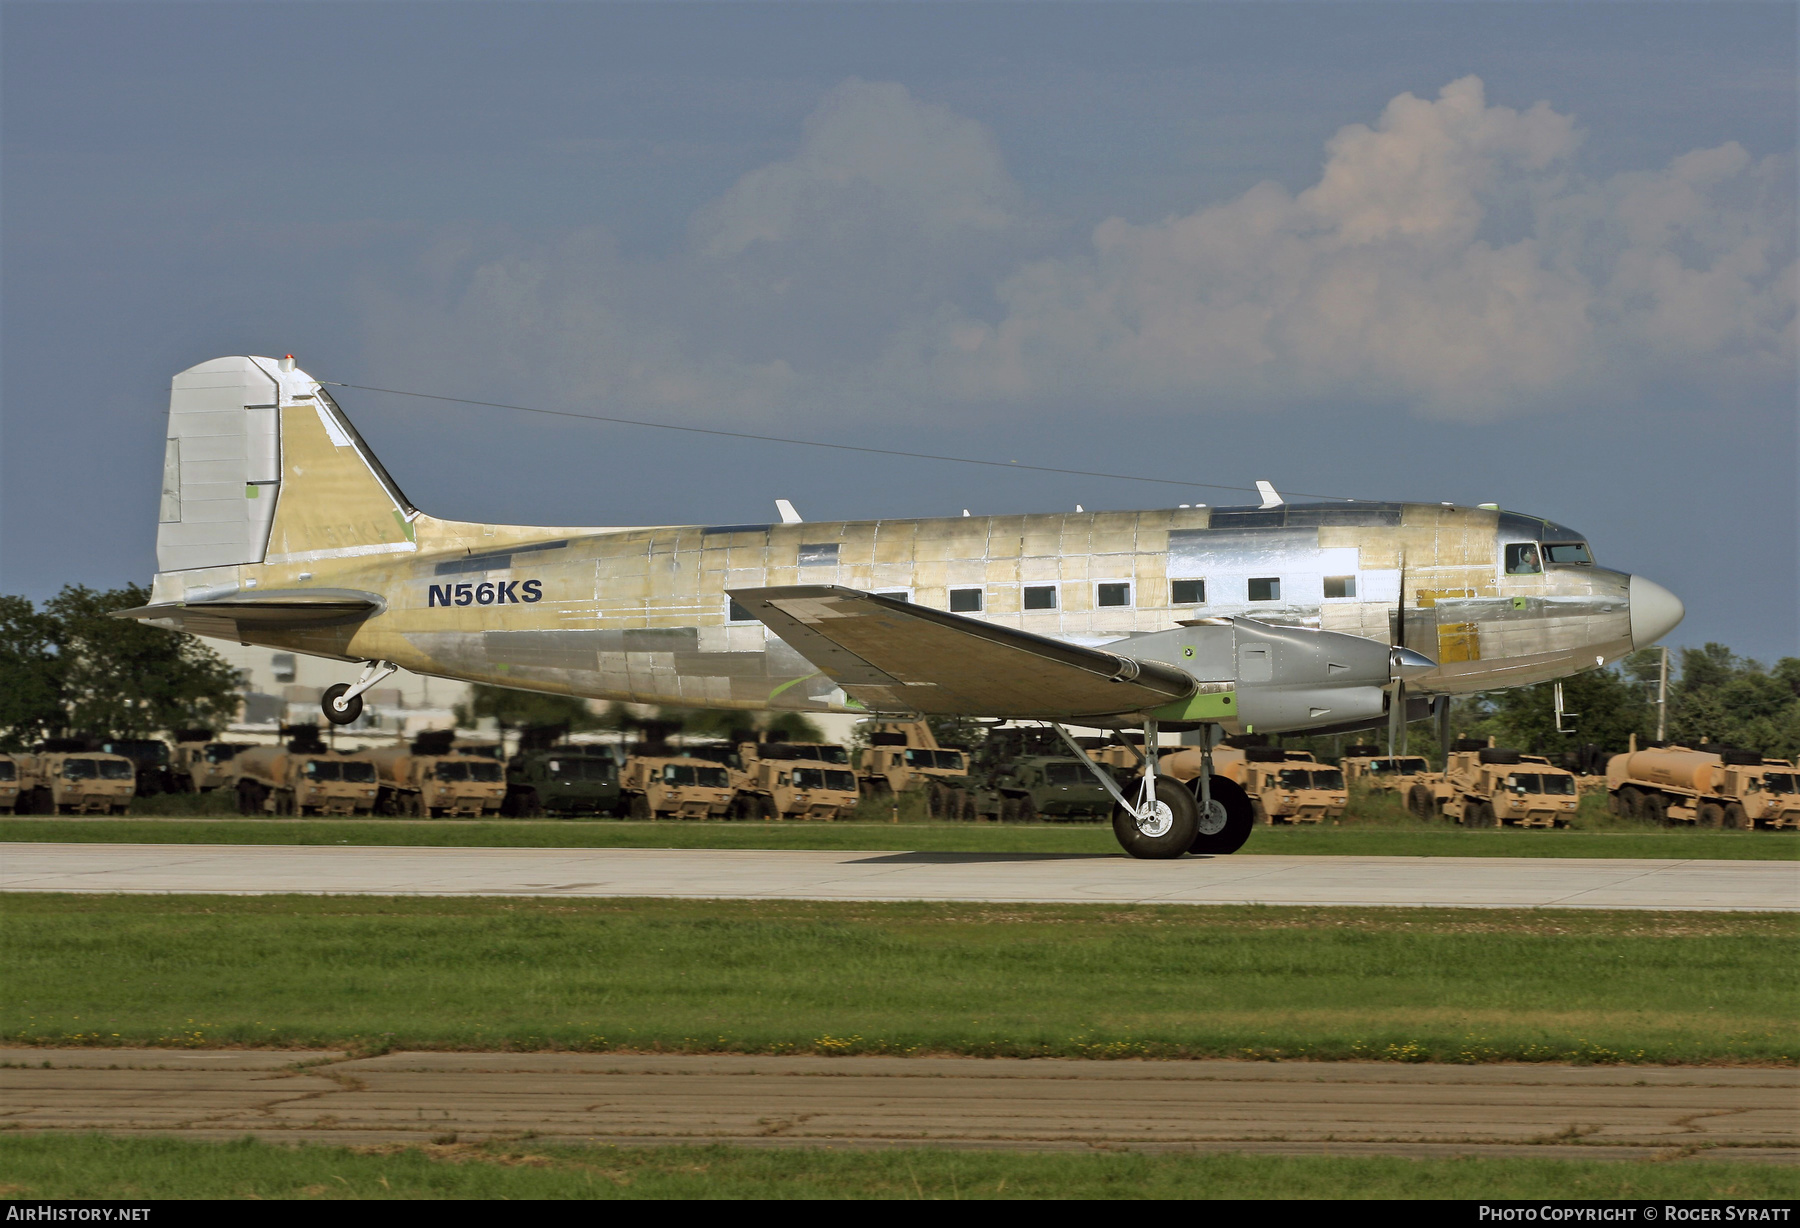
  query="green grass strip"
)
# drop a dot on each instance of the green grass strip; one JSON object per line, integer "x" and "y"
{"x": 93, "y": 1166}
{"x": 1413, "y": 840}
{"x": 373, "y": 973}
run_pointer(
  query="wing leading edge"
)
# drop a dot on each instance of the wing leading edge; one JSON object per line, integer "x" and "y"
{"x": 894, "y": 656}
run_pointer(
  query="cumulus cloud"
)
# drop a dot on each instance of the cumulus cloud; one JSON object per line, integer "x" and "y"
{"x": 1451, "y": 257}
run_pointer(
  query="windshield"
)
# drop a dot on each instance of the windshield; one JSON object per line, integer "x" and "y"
{"x": 1522, "y": 560}
{"x": 7, "y": 770}
{"x": 951, "y": 760}
{"x": 485, "y": 773}
{"x": 452, "y": 771}
{"x": 1779, "y": 782}
{"x": 1064, "y": 773}
{"x": 323, "y": 769}
{"x": 79, "y": 769}
{"x": 1396, "y": 767}
{"x": 1536, "y": 782}
{"x": 1294, "y": 778}
{"x": 708, "y": 777}
{"x": 359, "y": 773}
{"x": 220, "y": 752}
{"x": 1327, "y": 778}
{"x": 1567, "y": 552}
{"x": 823, "y": 778}
{"x": 114, "y": 769}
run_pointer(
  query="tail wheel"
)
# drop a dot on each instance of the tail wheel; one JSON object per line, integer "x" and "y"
{"x": 1168, "y": 829}
{"x": 340, "y": 716}
{"x": 1736, "y": 817}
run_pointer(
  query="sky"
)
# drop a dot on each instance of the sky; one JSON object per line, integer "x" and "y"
{"x": 1534, "y": 254}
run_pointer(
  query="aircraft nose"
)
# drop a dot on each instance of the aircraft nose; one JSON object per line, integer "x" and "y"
{"x": 1655, "y": 612}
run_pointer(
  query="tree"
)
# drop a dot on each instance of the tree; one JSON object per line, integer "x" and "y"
{"x": 30, "y": 675}
{"x": 525, "y": 709}
{"x": 124, "y": 678}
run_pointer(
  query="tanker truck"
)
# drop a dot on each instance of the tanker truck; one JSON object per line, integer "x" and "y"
{"x": 1722, "y": 787}
{"x": 303, "y": 779}
{"x": 428, "y": 779}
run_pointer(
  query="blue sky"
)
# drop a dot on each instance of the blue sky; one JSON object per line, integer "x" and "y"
{"x": 1534, "y": 254}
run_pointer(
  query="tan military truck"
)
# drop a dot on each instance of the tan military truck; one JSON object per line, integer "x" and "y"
{"x": 1284, "y": 786}
{"x": 302, "y": 779}
{"x": 676, "y": 787}
{"x": 904, "y": 757}
{"x": 201, "y": 764}
{"x": 1725, "y": 787}
{"x": 1494, "y": 787}
{"x": 795, "y": 780}
{"x": 9, "y": 784}
{"x": 1376, "y": 772}
{"x": 75, "y": 782}
{"x": 427, "y": 779}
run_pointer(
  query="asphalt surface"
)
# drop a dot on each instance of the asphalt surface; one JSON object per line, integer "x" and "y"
{"x": 1464, "y": 882}
{"x": 1343, "y": 1108}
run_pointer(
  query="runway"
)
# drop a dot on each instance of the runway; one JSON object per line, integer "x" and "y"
{"x": 1459, "y": 882}
{"x": 1340, "y": 1108}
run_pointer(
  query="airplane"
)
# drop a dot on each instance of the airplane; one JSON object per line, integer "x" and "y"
{"x": 280, "y": 527}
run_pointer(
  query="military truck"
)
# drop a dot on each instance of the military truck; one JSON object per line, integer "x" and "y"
{"x": 75, "y": 782}
{"x": 1033, "y": 787}
{"x": 429, "y": 780}
{"x": 9, "y": 784}
{"x": 304, "y": 778}
{"x": 200, "y": 763}
{"x": 904, "y": 757}
{"x": 669, "y": 786}
{"x": 1284, "y": 786}
{"x": 1487, "y": 786}
{"x": 794, "y": 780}
{"x": 1377, "y": 772}
{"x": 1705, "y": 786}
{"x": 151, "y": 758}
{"x": 563, "y": 781}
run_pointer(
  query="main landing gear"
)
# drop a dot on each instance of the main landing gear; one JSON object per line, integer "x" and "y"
{"x": 1210, "y": 815}
{"x": 342, "y": 703}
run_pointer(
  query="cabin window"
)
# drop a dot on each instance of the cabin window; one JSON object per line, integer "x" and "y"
{"x": 895, "y": 594}
{"x": 822, "y": 555}
{"x": 1522, "y": 559}
{"x": 1112, "y": 594}
{"x": 283, "y": 665}
{"x": 1187, "y": 592}
{"x": 1567, "y": 552}
{"x": 965, "y": 601}
{"x": 736, "y": 613}
{"x": 1040, "y": 597}
{"x": 1265, "y": 588}
{"x": 1340, "y": 586}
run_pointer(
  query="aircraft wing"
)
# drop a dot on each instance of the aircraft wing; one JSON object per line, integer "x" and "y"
{"x": 893, "y": 656}
{"x": 300, "y": 609}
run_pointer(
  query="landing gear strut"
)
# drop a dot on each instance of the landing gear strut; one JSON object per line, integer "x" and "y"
{"x": 342, "y": 703}
{"x": 1169, "y": 818}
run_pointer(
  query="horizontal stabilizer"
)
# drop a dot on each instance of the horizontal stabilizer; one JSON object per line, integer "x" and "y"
{"x": 296, "y": 609}
{"x": 893, "y": 656}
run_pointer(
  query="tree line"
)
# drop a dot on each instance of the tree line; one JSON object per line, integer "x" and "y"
{"x": 68, "y": 670}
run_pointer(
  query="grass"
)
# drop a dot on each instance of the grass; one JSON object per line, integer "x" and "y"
{"x": 1377, "y": 837}
{"x": 373, "y": 974}
{"x": 96, "y": 1167}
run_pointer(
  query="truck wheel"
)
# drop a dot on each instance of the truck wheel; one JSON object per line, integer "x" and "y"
{"x": 1631, "y": 802}
{"x": 531, "y": 805}
{"x": 1026, "y": 813}
{"x": 639, "y": 808}
{"x": 1477, "y": 813}
{"x": 1420, "y": 802}
{"x": 351, "y": 710}
{"x": 1167, "y": 832}
{"x": 1655, "y": 809}
{"x": 1258, "y": 814}
{"x": 1735, "y": 817}
{"x": 1710, "y": 814}
{"x": 1216, "y": 834}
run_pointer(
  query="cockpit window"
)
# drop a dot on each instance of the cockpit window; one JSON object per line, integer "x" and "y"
{"x": 1522, "y": 559}
{"x": 1567, "y": 552}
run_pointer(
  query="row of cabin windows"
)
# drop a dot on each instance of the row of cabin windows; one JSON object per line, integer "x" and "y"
{"x": 1109, "y": 595}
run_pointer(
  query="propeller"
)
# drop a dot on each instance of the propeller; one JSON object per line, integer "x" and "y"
{"x": 1397, "y": 696}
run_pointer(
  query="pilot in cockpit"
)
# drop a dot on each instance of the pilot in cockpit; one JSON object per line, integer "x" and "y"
{"x": 1522, "y": 560}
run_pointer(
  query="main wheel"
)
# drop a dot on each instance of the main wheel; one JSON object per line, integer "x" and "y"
{"x": 1167, "y": 831}
{"x": 348, "y": 713}
{"x": 1710, "y": 814}
{"x": 1736, "y": 817}
{"x": 1227, "y": 824}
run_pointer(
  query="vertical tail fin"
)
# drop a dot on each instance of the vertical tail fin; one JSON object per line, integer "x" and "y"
{"x": 263, "y": 467}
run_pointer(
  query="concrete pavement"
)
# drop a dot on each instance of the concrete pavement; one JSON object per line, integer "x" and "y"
{"x": 1462, "y": 882}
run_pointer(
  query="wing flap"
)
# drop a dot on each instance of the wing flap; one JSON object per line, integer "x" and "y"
{"x": 221, "y": 618}
{"x": 893, "y": 656}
